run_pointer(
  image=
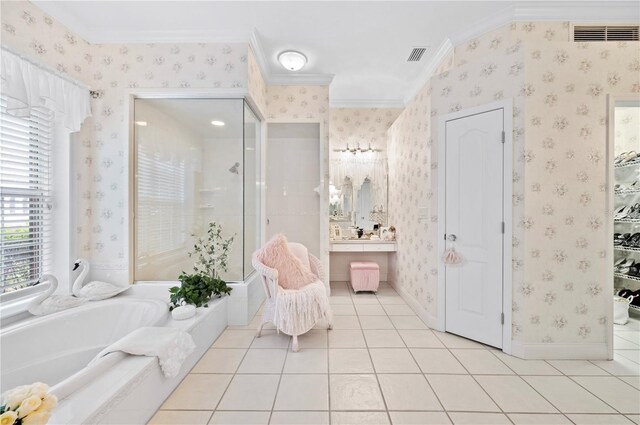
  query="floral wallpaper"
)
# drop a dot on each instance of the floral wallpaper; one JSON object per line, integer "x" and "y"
{"x": 360, "y": 125}
{"x": 627, "y": 129}
{"x": 102, "y": 160}
{"x": 559, "y": 240}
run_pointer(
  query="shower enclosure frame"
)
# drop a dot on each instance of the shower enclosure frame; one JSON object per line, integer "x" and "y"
{"x": 213, "y": 94}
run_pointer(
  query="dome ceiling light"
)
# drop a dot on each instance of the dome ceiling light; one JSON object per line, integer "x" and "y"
{"x": 292, "y": 60}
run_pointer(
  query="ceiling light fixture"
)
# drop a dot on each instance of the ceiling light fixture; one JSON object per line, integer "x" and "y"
{"x": 292, "y": 60}
{"x": 141, "y": 123}
{"x": 217, "y": 123}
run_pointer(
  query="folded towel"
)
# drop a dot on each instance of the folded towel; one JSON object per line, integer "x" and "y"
{"x": 171, "y": 347}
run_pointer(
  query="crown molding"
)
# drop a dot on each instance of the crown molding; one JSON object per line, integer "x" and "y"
{"x": 482, "y": 26}
{"x": 366, "y": 103}
{"x": 445, "y": 48}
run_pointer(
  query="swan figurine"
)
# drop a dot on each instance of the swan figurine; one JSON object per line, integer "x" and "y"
{"x": 48, "y": 303}
{"x": 95, "y": 290}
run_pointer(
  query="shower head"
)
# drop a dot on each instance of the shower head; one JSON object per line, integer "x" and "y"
{"x": 234, "y": 169}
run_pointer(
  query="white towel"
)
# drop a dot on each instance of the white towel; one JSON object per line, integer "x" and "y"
{"x": 171, "y": 347}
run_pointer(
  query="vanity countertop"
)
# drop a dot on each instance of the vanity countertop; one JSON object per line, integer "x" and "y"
{"x": 360, "y": 241}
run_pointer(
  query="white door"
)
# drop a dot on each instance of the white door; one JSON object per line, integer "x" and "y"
{"x": 292, "y": 183}
{"x": 474, "y": 218}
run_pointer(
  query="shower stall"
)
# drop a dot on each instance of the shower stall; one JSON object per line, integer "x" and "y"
{"x": 195, "y": 161}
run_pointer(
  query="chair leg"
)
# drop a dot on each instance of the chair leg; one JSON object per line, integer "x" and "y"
{"x": 259, "y": 333}
{"x": 294, "y": 345}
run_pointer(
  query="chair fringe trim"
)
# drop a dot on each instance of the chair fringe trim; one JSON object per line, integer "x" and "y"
{"x": 296, "y": 312}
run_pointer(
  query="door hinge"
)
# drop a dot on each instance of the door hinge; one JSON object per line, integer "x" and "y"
{"x": 502, "y": 318}
{"x": 503, "y": 227}
{"x": 504, "y": 137}
{"x": 445, "y": 236}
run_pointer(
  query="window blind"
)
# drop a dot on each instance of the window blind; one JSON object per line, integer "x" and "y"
{"x": 25, "y": 197}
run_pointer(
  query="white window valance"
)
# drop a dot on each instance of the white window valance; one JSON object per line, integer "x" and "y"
{"x": 26, "y": 85}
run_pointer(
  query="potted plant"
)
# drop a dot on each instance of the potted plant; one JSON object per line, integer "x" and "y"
{"x": 196, "y": 289}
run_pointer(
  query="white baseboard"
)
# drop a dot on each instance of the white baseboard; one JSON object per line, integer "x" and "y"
{"x": 430, "y": 320}
{"x": 559, "y": 351}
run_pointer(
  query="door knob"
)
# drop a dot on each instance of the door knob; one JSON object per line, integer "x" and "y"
{"x": 452, "y": 237}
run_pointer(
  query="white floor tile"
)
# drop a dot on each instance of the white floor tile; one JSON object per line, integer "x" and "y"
{"x": 393, "y": 360}
{"x": 355, "y": 392}
{"x": 303, "y": 392}
{"x": 376, "y": 322}
{"x": 454, "y": 341}
{"x": 538, "y": 419}
{"x": 315, "y": 338}
{"x": 345, "y": 322}
{"x": 383, "y": 339}
{"x": 461, "y": 393}
{"x": 633, "y": 336}
{"x": 239, "y": 418}
{"x": 344, "y": 360}
{"x": 370, "y": 310}
{"x": 416, "y": 338}
{"x": 299, "y": 418}
{"x": 619, "y": 366}
{"x": 391, "y": 299}
{"x": 398, "y": 310}
{"x": 343, "y": 310}
{"x": 463, "y": 418}
{"x": 363, "y": 298}
{"x": 634, "y": 381}
{"x": 623, "y": 343}
{"x": 419, "y": 418}
{"x": 599, "y": 419}
{"x": 577, "y": 367}
{"x": 634, "y": 418}
{"x": 269, "y": 360}
{"x": 220, "y": 360}
{"x": 346, "y": 339}
{"x": 481, "y": 362}
{"x": 526, "y": 367}
{"x": 340, "y": 299}
{"x": 359, "y": 418}
{"x": 198, "y": 392}
{"x": 566, "y": 395}
{"x": 611, "y": 390}
{"x": 434, "y": 360}
{"x": 231, "y": 338}
{"x": 307, "y": 360}
{"x": 633, "y": 355}
{"x": 186, "y": 417}
{"x": 271, "y": 339}
{"x": 512, "y": 394}
{"x": 408, "y": 392}
{"x": 250, "y": 392}
{"x": 408, "y": 322}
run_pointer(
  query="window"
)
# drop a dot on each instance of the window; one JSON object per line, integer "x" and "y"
{"x": 25, "y": 197}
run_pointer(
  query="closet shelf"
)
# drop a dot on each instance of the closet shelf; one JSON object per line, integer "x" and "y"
{"x": 634, "y": 307}
{"x": 628, "y": 164}
{"x": 626, "y": 192}
{"x": 626, "y": 249}
{"x": 627, "y": 220}
{"x": 626, "y": 276}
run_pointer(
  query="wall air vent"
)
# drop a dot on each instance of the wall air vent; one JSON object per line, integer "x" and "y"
{"x": 585, "y": 33}
{"x": 416, "y": 54}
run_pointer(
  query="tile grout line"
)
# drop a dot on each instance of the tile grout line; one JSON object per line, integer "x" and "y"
{"x": 275, "y": 395}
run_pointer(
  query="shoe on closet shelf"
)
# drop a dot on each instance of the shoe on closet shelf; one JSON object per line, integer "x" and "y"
{"x": 624, "y": 267}
{"x": 622, "y": 212}
{"x": 619, "y": 239}
{"x": 634, "y": 212}
{"x": 632, "y": 241}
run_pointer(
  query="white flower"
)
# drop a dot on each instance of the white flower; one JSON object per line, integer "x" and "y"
{"x": 8, "y": 418}
{"x": 38, "y": 389}
{"x": 28, "y": 405}
{"x": 49, "y": 402}
{"x": 12, "y": 398}
{"x": 37, "y": 418}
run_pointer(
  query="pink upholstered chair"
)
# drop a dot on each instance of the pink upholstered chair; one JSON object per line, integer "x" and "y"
{"x": 294, "y": 311}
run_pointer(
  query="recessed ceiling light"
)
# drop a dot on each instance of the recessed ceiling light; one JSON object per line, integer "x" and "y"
{"x": 217, "y": 123}
{"x": 292, "y": 60}
{"x": 141, "y": 123}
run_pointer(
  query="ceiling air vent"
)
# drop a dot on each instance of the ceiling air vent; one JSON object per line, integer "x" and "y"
{"x": 416, "y": 54}
{"x": 605, "y": 33}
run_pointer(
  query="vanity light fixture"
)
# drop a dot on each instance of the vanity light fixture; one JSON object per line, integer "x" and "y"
{"x": 141, "y": 123}
{"x": 292, "y": 60}
{"x": 357, "y": 150}
{"x": 217, "y": 123}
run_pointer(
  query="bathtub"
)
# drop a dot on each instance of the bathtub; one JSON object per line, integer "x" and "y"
{"x": 52, "y": 348}
{"x": 119, "y": 388}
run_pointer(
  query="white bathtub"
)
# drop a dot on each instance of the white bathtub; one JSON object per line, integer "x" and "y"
{"x": 52, "y": 348}
{"x": 56, "y": 349}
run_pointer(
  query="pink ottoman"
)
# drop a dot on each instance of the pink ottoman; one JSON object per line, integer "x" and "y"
{"x": 365, "y": 276}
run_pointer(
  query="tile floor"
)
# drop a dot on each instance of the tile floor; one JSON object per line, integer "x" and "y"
{"x": 381, "y": 365}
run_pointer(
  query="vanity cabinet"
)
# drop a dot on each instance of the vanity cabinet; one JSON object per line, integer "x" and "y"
{"x": 342, "y": 253}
